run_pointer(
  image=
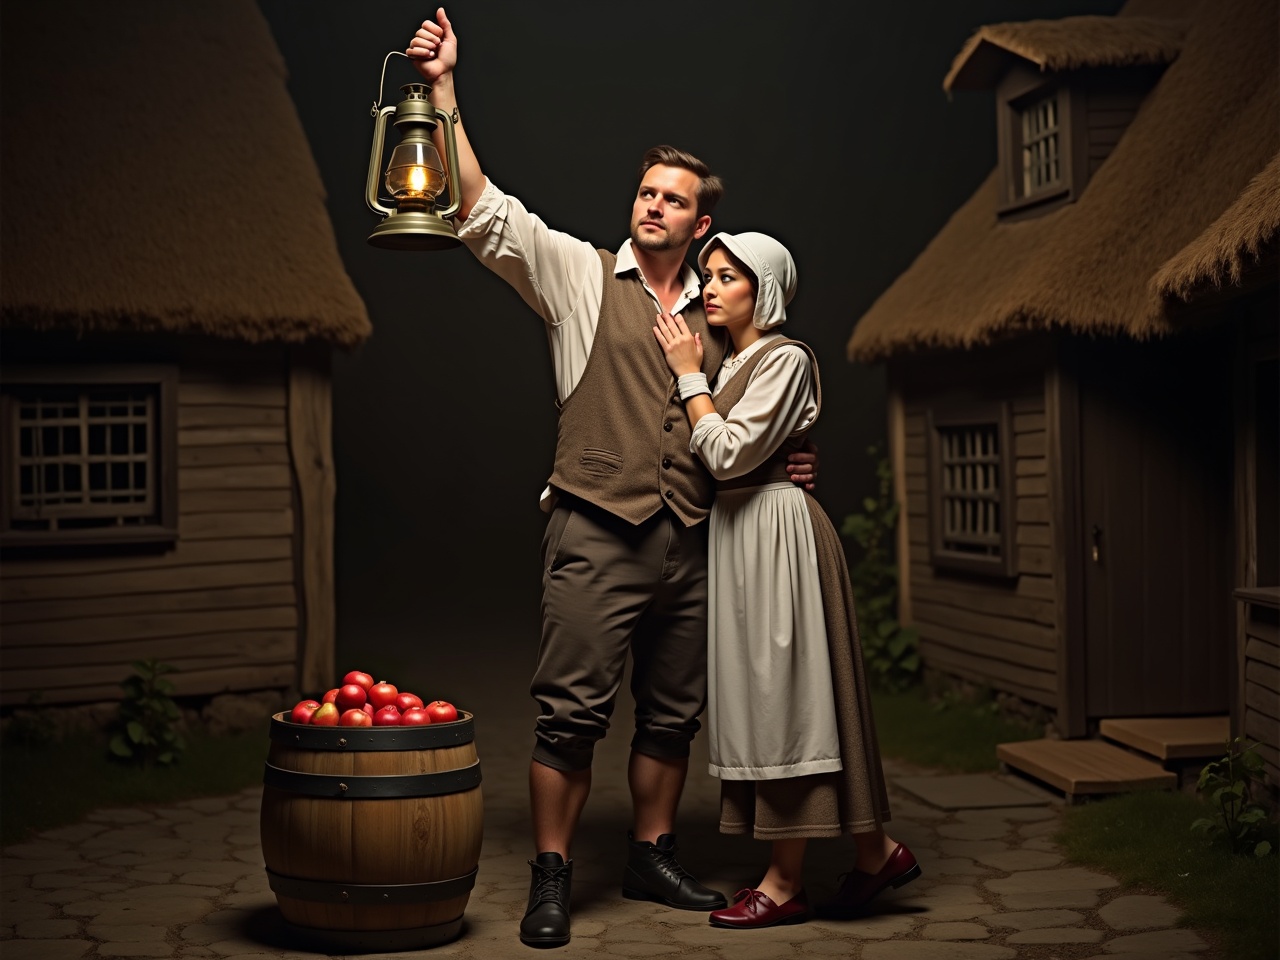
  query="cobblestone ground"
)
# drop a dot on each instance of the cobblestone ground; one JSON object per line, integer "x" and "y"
{"x": 188, "y": 881}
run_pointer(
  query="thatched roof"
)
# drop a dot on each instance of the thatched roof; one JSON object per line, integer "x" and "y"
{"x": 1067, "y": 44}
{"x": 1191, "y": 154}
{"x": 155, "y": 176}
{"x": 1243, "y": 236}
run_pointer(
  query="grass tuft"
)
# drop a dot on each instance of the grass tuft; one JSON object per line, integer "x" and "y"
{"x": 1145, "y": 841}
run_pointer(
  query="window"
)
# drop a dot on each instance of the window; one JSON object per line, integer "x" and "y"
{"x": 1041, "y": 168}
{"x": 971, "y": 471}
{"x": 88, "y": 455}
{"x": 1040, "y": 126}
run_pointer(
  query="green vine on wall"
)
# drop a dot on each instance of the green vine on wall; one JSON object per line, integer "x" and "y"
{"x": 890, "y": 651}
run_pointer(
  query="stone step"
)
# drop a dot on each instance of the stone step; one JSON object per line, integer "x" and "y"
{"x": 1171, "y": 738}
{"x": 1081, "y": 768}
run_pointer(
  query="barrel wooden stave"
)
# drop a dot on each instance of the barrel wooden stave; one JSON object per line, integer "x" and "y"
{"x": 402, "y": 840}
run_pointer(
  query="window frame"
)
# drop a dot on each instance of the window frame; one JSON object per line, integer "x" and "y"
{"x": 1020, "y": 89}
{"x": 163, "y": 378}
{"x": 995, "y": 413}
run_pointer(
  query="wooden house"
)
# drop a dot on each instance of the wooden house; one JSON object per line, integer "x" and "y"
{"x": 1083, "y": 389}
{"x": 170, "y": 297}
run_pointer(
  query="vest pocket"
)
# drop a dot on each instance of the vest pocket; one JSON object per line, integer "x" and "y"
{"x": 605, "y": 462}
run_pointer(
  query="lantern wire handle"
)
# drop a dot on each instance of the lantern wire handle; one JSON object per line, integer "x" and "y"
{"x": 377, "y": 104}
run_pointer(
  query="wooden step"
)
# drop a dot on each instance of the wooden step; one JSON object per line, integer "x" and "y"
{"x": 1171, "y": 738}
{"x": 1085, "y": 767}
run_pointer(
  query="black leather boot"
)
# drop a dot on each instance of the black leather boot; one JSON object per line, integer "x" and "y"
{"x": 546, "y": 921}
{"x": 652, "y": 873}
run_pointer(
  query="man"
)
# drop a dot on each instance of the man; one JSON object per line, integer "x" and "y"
{"x": 625, "y": 547}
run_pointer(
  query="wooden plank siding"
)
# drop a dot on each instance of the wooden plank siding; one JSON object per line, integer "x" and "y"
{"x": 998, "y": 633}
{"x": 1259, "y": 696}
{"x": 220, "y": 604}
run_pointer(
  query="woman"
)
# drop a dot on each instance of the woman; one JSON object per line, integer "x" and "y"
{"x": 789, "y": 721}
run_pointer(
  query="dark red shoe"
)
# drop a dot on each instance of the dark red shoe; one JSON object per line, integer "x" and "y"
{"x": 752, "y": 909}
{"x": 857, "y": 889}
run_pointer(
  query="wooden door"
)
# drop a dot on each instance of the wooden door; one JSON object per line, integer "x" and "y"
{"x": 1155, "y": 468}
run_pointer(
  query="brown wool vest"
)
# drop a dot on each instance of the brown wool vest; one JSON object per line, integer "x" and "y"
{"x": 623, "y": 437}
{"x": 774, "y": 467}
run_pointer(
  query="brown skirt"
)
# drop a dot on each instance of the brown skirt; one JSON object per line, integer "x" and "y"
{"x": 853, "y": 799}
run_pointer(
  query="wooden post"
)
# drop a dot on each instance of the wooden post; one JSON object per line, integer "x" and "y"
{"x": 311, "y": 448}
{"x": 898, "y": 460}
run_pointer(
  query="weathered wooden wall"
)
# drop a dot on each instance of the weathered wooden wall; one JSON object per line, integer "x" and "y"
{"x": 221, "y": 604}
{"x": 994, "y": 632}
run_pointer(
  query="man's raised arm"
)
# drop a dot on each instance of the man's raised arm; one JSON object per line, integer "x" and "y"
{"x": 433, "y": 51}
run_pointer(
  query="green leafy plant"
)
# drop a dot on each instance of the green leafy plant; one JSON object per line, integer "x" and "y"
{"x": 1228, "y": 785}
{"x": 890, "y": 650}
{"x": 148, "y": 721}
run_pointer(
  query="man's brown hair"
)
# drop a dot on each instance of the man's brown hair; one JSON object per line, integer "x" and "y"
{"x": 710, "y": 187}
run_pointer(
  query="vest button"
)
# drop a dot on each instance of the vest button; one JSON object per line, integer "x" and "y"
{"x": 666, "y": 463}
{"x": 667, "y": 426}
{"x": 670, "y": 495}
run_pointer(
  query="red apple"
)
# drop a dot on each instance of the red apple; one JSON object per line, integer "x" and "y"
{"x": 441, "y": 711}
{"x": 388, "y": 716}
{"x": 330, "y": 696}
{"x": 350, "y": 696}
{"x": 326, "y": 716}
{"x": 406, "y": 700}
{"x": 382, "y": 694}
{"x": 355, "y": 717}
{"x": 414, "y": 717}
{"x": 302, "y": 711}
{"x": 359, "y": 678}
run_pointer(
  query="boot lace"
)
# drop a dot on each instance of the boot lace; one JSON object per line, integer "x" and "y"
{"x": 547, "y": 881}
{"x": 666, "y": 861}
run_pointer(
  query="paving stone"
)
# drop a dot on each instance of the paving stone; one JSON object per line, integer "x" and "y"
{"x": 39, "y": 850}
{"x": 1067, "y": 878}
{"x": 953, "y": 867}
{"x": 971, "y": 848}
{"x": 117, "y": 815}
{"x": 1049, "y": 813}
{"x": 1056, "y": 935}
{"x": 46, "y": 949}
{"x": 970, "y": 790}
{"x": 1032, "y": 919}
{"x": 1011, "y": 861}
{"x": 1041, "y": 828}
{"x": 22, "y": 867}
{"x": 15, "y": 911}
{"x": 1139, "y": 913}
{"x": 160, "y": 910}
{"x": 123, "y": 931}
{"x": 74, "y": 833}
{"x": 1145, "y": 955}
{"x": 924, "y": 950}
{"x": 1046, "y": 899}
{"x": 984, "y": 830}
{"x": 160, "y": 891}
{"x": 1043, "y": 844}
{"x": 148, "y": 876}
{"x": 955, "y": 931}
{"x": 1185, "y": 941}
{"x": 129, "y": 948}
{"x": 46, "y": 929}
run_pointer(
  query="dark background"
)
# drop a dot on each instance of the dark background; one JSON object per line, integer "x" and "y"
{"x": 828, "y": 123}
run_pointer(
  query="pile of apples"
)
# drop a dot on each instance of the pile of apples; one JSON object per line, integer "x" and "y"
{"x": 359, "y": 702}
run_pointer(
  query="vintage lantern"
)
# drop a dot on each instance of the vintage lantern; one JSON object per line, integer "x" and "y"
{"x": 414, "y": 177}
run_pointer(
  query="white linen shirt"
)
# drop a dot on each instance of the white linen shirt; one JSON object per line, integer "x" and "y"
{"x": 559, "y": 276}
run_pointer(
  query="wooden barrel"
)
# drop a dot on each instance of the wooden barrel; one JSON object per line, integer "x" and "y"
{"x": 371, "y": 835}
